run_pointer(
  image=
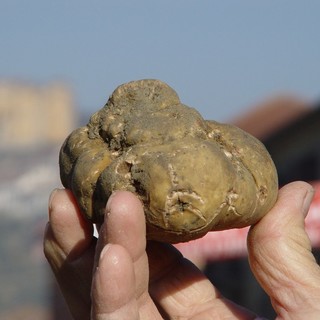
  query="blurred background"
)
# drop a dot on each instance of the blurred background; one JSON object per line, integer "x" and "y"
{"x": 251, "y": 63}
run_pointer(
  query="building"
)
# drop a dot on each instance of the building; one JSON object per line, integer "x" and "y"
{"x": 33, "y": 115}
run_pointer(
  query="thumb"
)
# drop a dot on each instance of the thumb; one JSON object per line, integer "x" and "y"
{"x": 280, "y": 255}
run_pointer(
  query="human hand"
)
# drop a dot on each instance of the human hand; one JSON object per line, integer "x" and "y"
{"x": 280, "y": 255}
{"x": 119, "y": 276}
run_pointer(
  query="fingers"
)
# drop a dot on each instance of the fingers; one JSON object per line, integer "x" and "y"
{"x": 69, "y": 230}
{"x": 122, "y": 261}
{"x": 280, "y": 254}
{"x": 181, "y": 290}
{"x": 113, "y": 287}
{"x": 176, "y": 284}
{"x": 69, "y": 248}
{"x": 124, "y": 225}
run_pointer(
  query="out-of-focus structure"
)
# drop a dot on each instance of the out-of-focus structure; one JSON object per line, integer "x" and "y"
{"x": 34, "y": 121}
{"x": 271, "y": 115}
{"x": 33, "y": 115}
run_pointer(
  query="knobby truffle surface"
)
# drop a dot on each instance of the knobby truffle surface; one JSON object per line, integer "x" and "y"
{"x": 192, "y": 175}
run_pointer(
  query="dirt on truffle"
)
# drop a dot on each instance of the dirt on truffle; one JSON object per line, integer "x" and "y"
{"x": 192, "y": 175}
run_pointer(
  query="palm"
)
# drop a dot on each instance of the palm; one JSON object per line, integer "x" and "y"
{"x": 120, "y": 276}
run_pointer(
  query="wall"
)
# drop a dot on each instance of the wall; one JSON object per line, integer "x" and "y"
{"x": 33, "y": 115}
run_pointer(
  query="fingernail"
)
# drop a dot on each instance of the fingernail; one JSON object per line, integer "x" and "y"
{"x": 51, "y": 197}
{"x": 110, "y": 201}
{"x": 307, "y": 201}
{"x": 104, "y": 250}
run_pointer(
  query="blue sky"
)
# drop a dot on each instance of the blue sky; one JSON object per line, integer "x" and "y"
{"x": 220, "y": 56}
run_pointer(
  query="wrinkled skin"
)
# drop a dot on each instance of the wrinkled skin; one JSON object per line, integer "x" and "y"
{"x": 192, "y": 175}
{"x": 120, "y": 275}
